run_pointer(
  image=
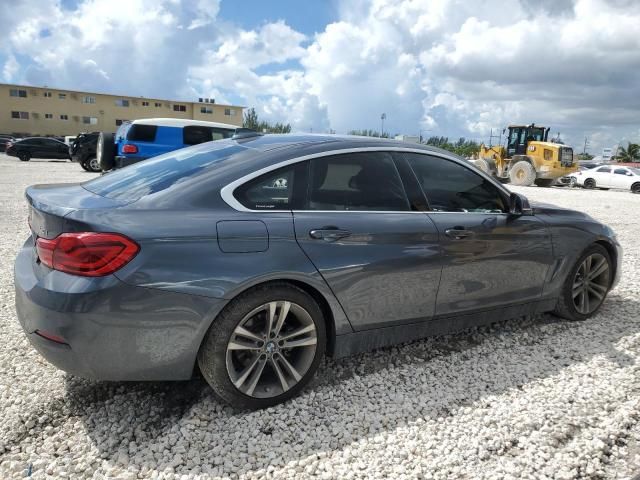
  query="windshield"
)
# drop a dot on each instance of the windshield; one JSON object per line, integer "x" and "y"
{"x": 159, "y": 173}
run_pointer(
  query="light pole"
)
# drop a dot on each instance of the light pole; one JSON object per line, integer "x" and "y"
{"x": 382, "y": 119}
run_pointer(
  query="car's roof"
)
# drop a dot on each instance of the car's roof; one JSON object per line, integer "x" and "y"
{"x": 44, "y": 138}
{"x": 180, "y": 122}
{"x": 264, "y": 143}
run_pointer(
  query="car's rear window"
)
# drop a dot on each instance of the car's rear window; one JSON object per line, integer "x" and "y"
{"x": 159, "y": 173}
{"x": 142, "y": 133}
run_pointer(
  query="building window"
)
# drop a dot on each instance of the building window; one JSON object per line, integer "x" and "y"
{"x": 158, "y": 104}
{"x": 48, "y": 115}
{"x": 119, "y": 122}
{"x": 88, "y": 99}
{"x": 20, "y": 115}
{"x": 205, "y": 110}
{"x": 230, "y": 112}
{"x": 179, "y": 108}
{"x": 47, "y": 94}
{"x": 64, "y": 117}
{"x": 62, "y": 96}
{"x": 145, "y": 104}
{"x": 89, "y": 120}
{"x": 121, "y": 102}
{"x": 16, "y": 92}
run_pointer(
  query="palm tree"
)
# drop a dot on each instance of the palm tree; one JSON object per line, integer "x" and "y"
{"x": 629, "y": 154}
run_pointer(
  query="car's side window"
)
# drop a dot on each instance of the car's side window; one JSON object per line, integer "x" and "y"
{"x": 620, "y": 171}
{"x": 220, "y": 133}
{"x": 451, "y": 187}
{"x": 271, "y": 191}
{"x": 195, "y": 134}
{"x": 604, "y": 170}
{"x": 367, "y": 181}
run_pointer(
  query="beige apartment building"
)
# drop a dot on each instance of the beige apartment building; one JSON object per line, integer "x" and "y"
{"x": 44, "y": 111}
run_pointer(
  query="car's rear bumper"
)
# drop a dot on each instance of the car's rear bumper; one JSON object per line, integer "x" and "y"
{"x": 111, "y": 330}
{"x": 123, "y": 161}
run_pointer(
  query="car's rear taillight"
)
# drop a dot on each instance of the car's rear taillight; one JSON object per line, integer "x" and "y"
{"x": 90, "y": 254}
{"x": 128, "y": 148}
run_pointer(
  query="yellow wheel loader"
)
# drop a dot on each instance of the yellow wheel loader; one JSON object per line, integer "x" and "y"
{"x": 528, "y": 157}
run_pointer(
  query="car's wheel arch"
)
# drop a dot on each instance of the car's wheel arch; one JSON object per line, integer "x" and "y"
{"x": 335, "y": 319}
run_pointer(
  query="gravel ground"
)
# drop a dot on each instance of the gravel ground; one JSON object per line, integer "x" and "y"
{"x": 530, "y": 398}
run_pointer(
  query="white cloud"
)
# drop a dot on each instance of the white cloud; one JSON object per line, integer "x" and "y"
{"x": 452, "y": 68}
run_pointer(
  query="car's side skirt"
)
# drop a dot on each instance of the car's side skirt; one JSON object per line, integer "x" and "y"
{"x": 363, "y": 341}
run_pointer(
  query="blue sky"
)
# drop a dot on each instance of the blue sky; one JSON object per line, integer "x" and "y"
{"x": 306, "y": 17}
{"x": 443, "y": 67}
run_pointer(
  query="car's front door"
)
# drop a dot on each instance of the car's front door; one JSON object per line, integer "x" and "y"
{"x": 621, "y": 178}
{"x": 491, "y": 258}
{"x": 381, "y": 259}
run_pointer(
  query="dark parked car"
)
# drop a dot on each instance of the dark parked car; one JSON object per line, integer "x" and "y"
{"x": 253, "y": 258}
{"x": 38, "y": 147}
{"x": 83, "y": 151}
{"x": 4, "y": 140}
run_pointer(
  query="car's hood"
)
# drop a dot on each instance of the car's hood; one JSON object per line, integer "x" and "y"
{"x": 550, "y": 209}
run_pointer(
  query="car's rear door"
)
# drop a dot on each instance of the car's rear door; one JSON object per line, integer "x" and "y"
{"x": 491, "y": 258}
{"x": 602, "y": 176}
{"x": 380, "y": 258}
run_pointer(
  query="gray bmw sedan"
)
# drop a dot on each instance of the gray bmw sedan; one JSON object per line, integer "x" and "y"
{"x": 252, "y": 258}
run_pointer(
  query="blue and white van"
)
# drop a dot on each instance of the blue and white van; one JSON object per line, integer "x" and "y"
{"x": 141, "y": 139}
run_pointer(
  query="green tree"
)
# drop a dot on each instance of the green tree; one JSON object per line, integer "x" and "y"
{"x": 629, "y": 154}
{"x": 368, "y": 133}
{"x": 462, "y": 147}
{"x": 252, "y": 121}
{"x": 585, "y": 156}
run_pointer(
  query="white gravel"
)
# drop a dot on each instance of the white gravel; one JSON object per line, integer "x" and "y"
{"x": 531, "y": 398}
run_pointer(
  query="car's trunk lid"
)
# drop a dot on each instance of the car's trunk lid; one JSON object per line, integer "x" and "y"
{"x": 49, "y": 204}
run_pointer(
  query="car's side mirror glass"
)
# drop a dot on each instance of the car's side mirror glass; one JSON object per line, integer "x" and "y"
{"x": 519, "y": 205}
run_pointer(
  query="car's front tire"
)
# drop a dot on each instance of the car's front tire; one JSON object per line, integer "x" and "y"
{"x": 264, "y": 347}
{"x": 587, "y": 285}
{"x": 24, "y": 156}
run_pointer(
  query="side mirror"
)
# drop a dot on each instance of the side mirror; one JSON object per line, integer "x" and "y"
{"x": 519, "y": 205}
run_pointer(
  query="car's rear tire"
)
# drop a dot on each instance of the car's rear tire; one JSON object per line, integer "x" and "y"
{"x": 106, "y": 151}
{"x": 522, "y": 173}
{"x": 543, "y": 182}
{"x": 635, "y": 188}
{"x": 589, "y": 183}
{"x": 244, "y": 355}
{"x": 587, "y": 285}
{"x": 24, "y": 156}
{"x": 92, "y": 165}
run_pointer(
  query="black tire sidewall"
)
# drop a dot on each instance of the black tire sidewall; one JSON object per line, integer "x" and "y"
{"x": 212, "y": 354}
{"x": 24, "y": 156}
{"x": 589, "y": 183}
{"x": 568, "y": 309}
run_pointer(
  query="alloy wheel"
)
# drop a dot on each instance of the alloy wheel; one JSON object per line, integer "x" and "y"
{"x": 591, "y": 283}
{"x": 94, "y": 165}
{"x": 271, "y": 349}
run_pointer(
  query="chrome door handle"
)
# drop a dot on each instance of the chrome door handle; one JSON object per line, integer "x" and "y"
{"x": 458, "y": 233}
{"x": 329, "y": 234}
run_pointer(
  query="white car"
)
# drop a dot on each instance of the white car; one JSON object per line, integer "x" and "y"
{"x": 608, "y": 176}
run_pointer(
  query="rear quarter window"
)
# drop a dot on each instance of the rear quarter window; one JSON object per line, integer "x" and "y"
{"x": 142, "y": 133}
